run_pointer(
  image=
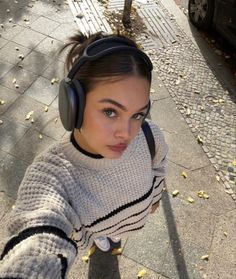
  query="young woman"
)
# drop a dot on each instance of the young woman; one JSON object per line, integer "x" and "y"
{"x": 99, "y": 183}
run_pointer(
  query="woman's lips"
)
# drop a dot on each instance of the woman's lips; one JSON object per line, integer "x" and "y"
{"x": 118, "y": 147}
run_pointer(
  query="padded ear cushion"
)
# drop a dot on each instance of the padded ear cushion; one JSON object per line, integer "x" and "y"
{"x": 80, "y": 103}
{"x": 68, "y": 101}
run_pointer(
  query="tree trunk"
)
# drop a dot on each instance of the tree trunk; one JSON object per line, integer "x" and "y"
{"x": 126, "y": 13}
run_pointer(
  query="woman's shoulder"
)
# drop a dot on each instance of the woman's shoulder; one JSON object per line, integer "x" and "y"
{"x": 156, "y": 131}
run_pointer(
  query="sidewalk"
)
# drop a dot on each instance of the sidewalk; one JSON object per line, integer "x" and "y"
{"x": 185, "y": 102}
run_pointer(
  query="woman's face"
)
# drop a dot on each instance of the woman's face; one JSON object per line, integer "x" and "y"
{"x": 113, "y": 115}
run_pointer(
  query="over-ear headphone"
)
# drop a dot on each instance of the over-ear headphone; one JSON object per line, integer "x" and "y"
{"x": 71, "y": 92}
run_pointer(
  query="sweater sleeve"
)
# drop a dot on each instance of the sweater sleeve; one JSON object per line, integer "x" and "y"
{"x": 159, "y": 165}
{"x": 40, "y": 226}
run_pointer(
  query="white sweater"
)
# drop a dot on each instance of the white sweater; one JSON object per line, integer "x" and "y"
{"x": 67, "y": 199}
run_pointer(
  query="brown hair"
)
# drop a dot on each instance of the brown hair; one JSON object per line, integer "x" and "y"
{"x": 109, "y": 66}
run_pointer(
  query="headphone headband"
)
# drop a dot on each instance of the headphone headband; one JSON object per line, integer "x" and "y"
{"x": 103, "y": 47}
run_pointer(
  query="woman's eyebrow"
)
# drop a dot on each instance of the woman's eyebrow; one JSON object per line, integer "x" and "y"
{"x": 115, "y": 103}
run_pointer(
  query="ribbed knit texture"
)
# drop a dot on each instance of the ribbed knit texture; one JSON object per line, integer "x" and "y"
{"x": 84, "y": 198}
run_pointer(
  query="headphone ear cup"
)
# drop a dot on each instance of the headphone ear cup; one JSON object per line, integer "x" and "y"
{"x": 68, "y": 101}
{"x": 80, "y": 103}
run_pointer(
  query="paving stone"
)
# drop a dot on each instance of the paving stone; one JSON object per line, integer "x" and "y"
{"x": 49, "y": 123}
{"x": 11, "y": 173}
{"x": 5, "y": 205}
{"x": 28, "y": 38}
{"x": 3, "y": 42}
{"x": 43, "y": 8}
{"x": 4, "y": 68}
{"x": 43, "y": 91}
{"x": 157, "y": 85}
{"x": 64, "y": 15}
{"x": 22, "y": 107}
{"x": 149, "y": 241}
{"x": 25, "y": 17}
{"x": 31, "y": 145}
{"x": 36, "y": 62}
{"x": 129, "y": 269}
{"x": 55, "y": 103}
{"x": 55, "y": 70}
{"x": 184, "y": 151}
{"x": 11, "y": 55}
{"x": 44, "y": 25}
{"x": 185, "y": 263}
{"x": 202, "y": 179}
{"x": 167, "y": 116}
{"x": 49, "y": 46}
{"x": 64, "y": 31}
{"x": 9, "y": 96}
{"x": 10, "y": 30}
{"x": 11, "y": 132}
{"x": 222, "y": 256}
{"x": 23, "y": 78}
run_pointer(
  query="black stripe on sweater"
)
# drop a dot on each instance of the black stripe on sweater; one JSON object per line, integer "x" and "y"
{"x": 87, "y": 238}
{"x": 158, "y": 183}
{"x": 33, "y": 231}
{"x": 123, "y": 207}
{"x": 64, "y": 265}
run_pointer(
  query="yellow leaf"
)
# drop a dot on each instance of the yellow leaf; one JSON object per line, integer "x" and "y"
{"x": 2, "y": 102}
{"x": 175, "y": 193}
{"x": 205, "y": 257}
{"x": 142, "y": 273}
{"x": 225, "y": 233}
{"x": 152, "y": 90}
{"x": 40, "y": 136}
{"x": 205, "y": 196}
{"x": 46, "y": 108}
{"x": 32, "y": 120}
{"x": 85, "y": 259}
{"x": 184, "y": 174}
{"x": 1, "y": 122}
{"x": 14, "y": 80}
{"x": 29, "y": 114}
{"x": 190, "y": 200}
{"x": 188, "y": 112}
{"x": 234, "y": 162}
{"x": 91, "y": 251}
{"x": 200, "y": 194}
{"x": 13, "y": 206}
{"x": 217, "y": 178}
{"x": 117, "y": 251}
{"x": 199, "y": 139}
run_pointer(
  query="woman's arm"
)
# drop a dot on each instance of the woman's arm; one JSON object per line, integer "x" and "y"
{"x": 40, "y": 226}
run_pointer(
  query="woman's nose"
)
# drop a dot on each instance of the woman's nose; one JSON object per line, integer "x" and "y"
{"x": 123, "y": 130}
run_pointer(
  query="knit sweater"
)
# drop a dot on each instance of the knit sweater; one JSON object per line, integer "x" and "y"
{"x": 67, "y": 199}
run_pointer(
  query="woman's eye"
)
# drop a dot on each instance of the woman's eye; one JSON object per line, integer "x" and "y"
{"x": 138, "y": 116}
{"x": 109, "y": 113}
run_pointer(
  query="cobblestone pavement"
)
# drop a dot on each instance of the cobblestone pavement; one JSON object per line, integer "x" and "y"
{"x": 208, "y": 108}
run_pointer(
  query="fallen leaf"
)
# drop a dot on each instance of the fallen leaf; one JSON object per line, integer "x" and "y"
{"x": 40, "y": 136}
{"x": 205, "y": 257}
{"x": 17, "y": 86}
{"x": 175, "y": 193}
{"x": 2, "y": 102}
{"x": 54, "y": 80}
{"x": 152, "y": 90}
{"x": 217, "y": 178}
{"x": 29, "y": 114}
{"x": 225, "y": 233}
{"x": 190, "y": 200}
{"x": 202, "y": 194}
{"x": 55, "y": 120}
{"x": 142, "y": 273}
{"x": 184, "y": 174}
{"x": 21, "y": 56}
{"x": 1, "y": 122}
{"x": 13, "y": 206}
{"x": 14, "y": 80}
{"x": 117, "y": 251}
{"x": 234, "y": 162}
{"x": 46, "y": 108}
{"x": 91, "y": 251}
{"x": 199, "y": 139}
{"x": 32, "y": 120}
{"x": 177, "y": 82}
{"x": 188, "y": 112}
{"x": 85, "y": 259}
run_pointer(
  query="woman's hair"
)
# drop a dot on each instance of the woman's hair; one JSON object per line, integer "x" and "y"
{"x": 124, "y": 63}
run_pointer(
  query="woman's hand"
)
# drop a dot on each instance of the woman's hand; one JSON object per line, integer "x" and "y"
{"x": 154, "y": 207}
